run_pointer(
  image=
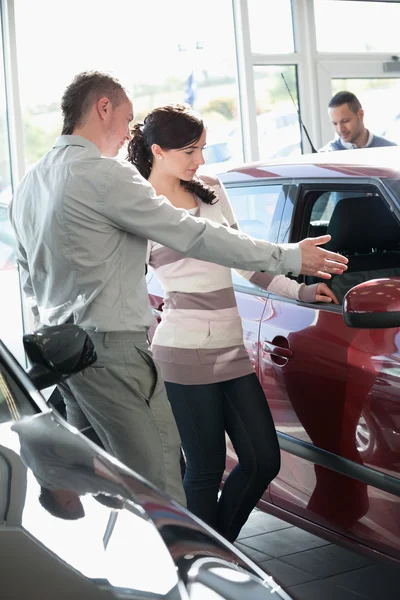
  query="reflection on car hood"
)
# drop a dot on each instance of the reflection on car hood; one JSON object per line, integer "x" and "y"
{"x": 115, "y": 535}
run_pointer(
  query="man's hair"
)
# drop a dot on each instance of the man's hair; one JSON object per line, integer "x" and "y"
{"x": 346, "y": 98}
{"x": 84, "y": 91}
{"x": 49, "y": 501}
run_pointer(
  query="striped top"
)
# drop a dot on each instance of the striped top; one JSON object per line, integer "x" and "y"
{"x": 200, "y": 337}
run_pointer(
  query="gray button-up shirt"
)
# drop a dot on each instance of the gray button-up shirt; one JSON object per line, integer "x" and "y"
{"x": 82, "y": 223}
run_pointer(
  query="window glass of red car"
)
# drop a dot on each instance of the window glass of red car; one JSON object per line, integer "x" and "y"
{"x": 258, "y": 210}
{"x": 362, "y": 227}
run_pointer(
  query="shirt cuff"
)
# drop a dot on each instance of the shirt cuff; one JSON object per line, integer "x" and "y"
{"x": 308, "y": 293}
{"x": 293, "y": 259}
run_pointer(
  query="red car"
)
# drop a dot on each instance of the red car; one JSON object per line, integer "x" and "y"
{"x": 333, "y": 389}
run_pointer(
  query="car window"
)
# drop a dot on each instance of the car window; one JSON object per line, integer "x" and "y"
{"x": 362, "y": 227}
{"x": 14, "y": 403}
{"x": 325, "y": 204}
{"x": 258, "y": 211}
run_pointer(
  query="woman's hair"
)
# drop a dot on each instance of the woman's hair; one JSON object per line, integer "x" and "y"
{"x": 171, "y": 127}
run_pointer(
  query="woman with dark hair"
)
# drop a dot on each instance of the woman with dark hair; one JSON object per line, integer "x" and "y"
{"x": 210, "y": 381}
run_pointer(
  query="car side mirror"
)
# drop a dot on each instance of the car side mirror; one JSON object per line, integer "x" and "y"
{"x": 57, "y": 352}
{"x": 373, "y": 304}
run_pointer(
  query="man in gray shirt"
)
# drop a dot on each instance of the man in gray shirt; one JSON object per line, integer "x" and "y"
{"x": 82, "y": 220}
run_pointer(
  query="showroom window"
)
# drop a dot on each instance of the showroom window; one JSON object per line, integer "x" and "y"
{"x": 278, "y": 127}
{"x": 10, "y": 299}
{"x": 160, "y": 60}
{"x": 374, "y": 94}
{"x": 267, "y": 37}
{"x": 354, "y": 26}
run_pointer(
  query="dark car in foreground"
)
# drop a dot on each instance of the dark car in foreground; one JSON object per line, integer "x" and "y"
{"x": 99, "y": 531}
{"x": 334, "y": 390}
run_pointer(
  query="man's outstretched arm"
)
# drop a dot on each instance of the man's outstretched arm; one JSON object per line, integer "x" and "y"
{"x": 132, "y": 204}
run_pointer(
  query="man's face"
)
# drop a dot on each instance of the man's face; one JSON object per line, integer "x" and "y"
{"x": 118, "y": 127}
{"x": 348, "y": 125}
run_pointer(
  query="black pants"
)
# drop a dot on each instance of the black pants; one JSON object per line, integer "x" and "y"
{"x": 203, "y": 414}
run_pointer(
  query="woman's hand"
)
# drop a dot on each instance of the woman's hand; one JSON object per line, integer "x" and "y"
{"x": 324, "y": 294}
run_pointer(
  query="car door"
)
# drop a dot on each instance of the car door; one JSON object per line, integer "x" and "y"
{"x": 258, "y": 209}
{"x": 334, "y": 392}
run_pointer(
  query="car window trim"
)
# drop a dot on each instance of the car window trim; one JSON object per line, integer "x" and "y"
{"x": 12, "y": 367}
{"x": 251, "y": 289}
{"x": 334, "y": 462}
{"x": 392, "y": 200}
{"x": 265, "y": 295}
{"x": 342, "y": 185}
{"x": 336, "y": 308}
{"x": 259, "y": 182}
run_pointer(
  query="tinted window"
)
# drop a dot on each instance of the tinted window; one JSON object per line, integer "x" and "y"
{"x": 362, "y": 227}
{"x": 258, "y": 209}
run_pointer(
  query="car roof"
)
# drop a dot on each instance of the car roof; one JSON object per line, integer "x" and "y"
{"x": 367, "y": 162}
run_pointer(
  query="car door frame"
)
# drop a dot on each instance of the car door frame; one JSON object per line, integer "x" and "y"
{"x": 247, "y": 288}
{"x": 291, "y": 230}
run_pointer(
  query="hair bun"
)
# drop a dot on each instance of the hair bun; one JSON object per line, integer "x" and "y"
{"x": 137, "y": 129}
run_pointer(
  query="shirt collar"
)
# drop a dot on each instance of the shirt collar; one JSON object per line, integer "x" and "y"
{"x": 350, "y": 146}
{"x": 76, "y": 140}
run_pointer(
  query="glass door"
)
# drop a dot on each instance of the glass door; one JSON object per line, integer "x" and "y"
{"x": 11, "y": 328}
{"x": 278, "y": 127}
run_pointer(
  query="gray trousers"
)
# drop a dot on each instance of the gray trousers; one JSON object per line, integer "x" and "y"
{"x": 123, "y": 397}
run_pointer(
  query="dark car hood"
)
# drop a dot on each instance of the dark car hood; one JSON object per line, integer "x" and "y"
{"x": 147, "y": 546}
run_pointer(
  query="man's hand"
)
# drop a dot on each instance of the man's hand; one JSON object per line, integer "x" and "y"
{"x": 319, "y": 262}
{"x": 324, "y": 294}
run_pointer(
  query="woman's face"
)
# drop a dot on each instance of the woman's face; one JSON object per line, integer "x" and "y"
{"x": 183, "y": 162}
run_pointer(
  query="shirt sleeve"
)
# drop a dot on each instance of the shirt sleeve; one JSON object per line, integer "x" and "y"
{"x": 26, "y": 283}
{"x": 24, "y": 272}
{"x": 138, "y": 210}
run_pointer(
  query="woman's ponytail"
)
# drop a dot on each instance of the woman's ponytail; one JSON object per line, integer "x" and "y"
{"x": 202, "y": 191}
{"x": 138, "y": 152}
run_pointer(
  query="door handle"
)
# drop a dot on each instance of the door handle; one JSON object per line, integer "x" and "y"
{"x": 271, "y": 348}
